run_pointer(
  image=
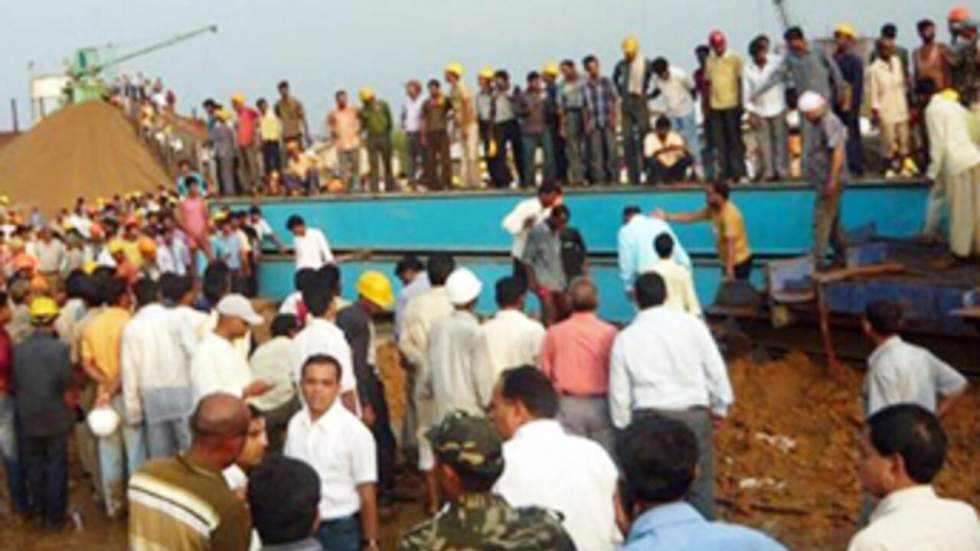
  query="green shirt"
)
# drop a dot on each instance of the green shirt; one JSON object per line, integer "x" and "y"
{"x": 376, "y": 119}
{"x": 485, "y": 521}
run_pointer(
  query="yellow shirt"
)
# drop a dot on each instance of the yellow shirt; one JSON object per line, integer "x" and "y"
{"x": 724, "y": 74}
{"x": 132, "y": 250}
{"x": 463, "y": 106}
{"x": 269, "y": 127}
{"x": 102, "y": 340}
{"x": 729, "y": 224}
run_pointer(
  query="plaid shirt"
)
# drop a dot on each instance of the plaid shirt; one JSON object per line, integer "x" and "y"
{"x": 600, "y": 99}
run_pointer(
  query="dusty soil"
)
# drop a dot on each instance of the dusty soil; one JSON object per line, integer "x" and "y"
{"x": 787, "y": 461}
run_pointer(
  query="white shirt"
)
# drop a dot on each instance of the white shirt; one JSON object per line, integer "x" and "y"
{"x": 676, "y": 90}
{"x": 154, "y": 364}
{"x": 312, "y": 250}
{"x": 900, "y": 372}
{"x": 412, "y": 113}
{"x": 666, "y": 360}
{"x": 458, "y": 374}
{"x": 342, "y": 452}
{"x": 652, "y": 144}
{"x": 323, "y": 337}
{"x": 217, "y": 367}
{"x": 207, "y": 325}
{"x": 513, "y": 223}
{"x": 915, "y": 519}
{"x": 680, "y": 286}
{"x": 420, "y": 313}
{"x": 545, "y": 467}
{"x": 886, "y": 88}
{"x": 513, "y": 340}
{"x": 952, "y": 150}
{"x": 173, "y": 258}
{"x": 773, "y": 101}
{"x": 418, "y": 285}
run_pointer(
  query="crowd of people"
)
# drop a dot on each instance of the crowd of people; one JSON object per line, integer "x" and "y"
{"x": 560, "y": 433}
{"x": 574, "y": 124}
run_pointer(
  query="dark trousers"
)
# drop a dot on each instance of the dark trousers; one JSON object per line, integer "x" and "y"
{"x": 45, "y": 460}
{"x": 657, "y": 173}
{"x": 635, "y": 124}
{"x": 520, "y": 273}
{"x": 561, "y": 160}
{"x": 742, "y": 270}
{"x": 415, "y": 158}
{"x": 379, "y": 152}
{"x": 342, "y": 534}
{"x": 271, "y": 157}
{"x": 505, "y": 133}
{"x": 726, "y": 128}
{"x": 438, "y": 165}
{"x": 384, "y": 438}
{"x": 855, "y": 153}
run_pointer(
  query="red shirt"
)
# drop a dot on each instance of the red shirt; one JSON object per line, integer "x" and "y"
{"x": 6, "y": 362}
{"x": 247, "y": 119}
{"x": 575, "y": 355}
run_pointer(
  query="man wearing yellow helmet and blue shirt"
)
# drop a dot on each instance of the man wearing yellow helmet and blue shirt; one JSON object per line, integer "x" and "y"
{"x": 376, "y": 124}
{"x": 42, "y": 374}
{"x": 374, "y": 297}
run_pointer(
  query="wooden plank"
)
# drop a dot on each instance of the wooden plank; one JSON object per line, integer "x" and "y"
{"x": 862, "y": 271}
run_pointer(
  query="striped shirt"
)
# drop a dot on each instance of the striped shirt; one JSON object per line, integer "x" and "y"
{"x": 600, "y": 99}
{"x": 177, "y": 505}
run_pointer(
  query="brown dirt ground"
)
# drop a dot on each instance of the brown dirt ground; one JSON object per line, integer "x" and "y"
{"x": 807, "y": 496}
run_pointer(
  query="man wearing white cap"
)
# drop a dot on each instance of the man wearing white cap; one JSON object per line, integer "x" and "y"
{"x": 826, "y": 170}
{"x": 216, "y": 366}
{"x": 459, "y": 376}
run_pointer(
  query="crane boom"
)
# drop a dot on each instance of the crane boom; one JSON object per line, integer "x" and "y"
{"x": 99, "y": 67}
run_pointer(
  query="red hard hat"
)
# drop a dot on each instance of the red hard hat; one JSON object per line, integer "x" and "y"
{"x": 716, "y": 37}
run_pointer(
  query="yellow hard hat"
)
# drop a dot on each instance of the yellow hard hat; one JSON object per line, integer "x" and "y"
{"x": 486, "y": 72}
{"x": 43, "y": 308}
{"x": 238, "y": 97}
{"x": 630, "y": 45}
{"x": 550, "y": 68}
{"x": 366, "y": 94}
{"x": 455, "y": 68}
{"x": 846, "y": 29}
{"x": 90, "y": 267}
{"x": 4, "y": 200}
{"x": 375, "y": 287}
{"x": 116, "y": 246}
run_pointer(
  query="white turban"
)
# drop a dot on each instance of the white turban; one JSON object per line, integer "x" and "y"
{"x": 809, "y": 101}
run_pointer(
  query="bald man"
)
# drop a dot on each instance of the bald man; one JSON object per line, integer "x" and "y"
{"x": 183, "y": 502}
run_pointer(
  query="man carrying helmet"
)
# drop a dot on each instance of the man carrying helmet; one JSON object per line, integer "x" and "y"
{"x": 375, "y": 116}
{"x": 374, "y": 297}
{"x": 464, "y": 114}
{"x": 41, "y": 376}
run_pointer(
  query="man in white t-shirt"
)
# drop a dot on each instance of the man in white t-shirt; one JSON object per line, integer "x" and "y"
{"x": 322, "y": 336}
{"x": 666, "y": 153}
{"x": 216, "y": 365}
{"x": 546, "y": 467}
{"x": 332, "y": 440}
{"x": 263, "y": 230}
{"x": 677, "y": 90}
{"x": 311, "y": 246}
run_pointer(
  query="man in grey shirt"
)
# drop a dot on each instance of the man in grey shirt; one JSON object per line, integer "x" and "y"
{"x": 553, "y": 255}
{"x": 826, "y": 171}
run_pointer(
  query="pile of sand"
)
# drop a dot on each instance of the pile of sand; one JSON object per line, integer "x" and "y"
{"x": 87, "y": 150}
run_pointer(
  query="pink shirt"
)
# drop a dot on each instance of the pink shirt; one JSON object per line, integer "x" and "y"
{"x": 194, "y": 213}
{"x": 575, "y": 355}
{"x": 247, "y": 118}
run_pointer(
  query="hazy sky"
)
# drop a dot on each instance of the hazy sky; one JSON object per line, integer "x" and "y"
{"x": 323, "y": 45}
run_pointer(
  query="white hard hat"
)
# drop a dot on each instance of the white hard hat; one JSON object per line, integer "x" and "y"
{"x": 463, "y": 286}
{"x": 103, "y": 421}
{"x": 809, "y": 101}
{"x": 237, "y": 306}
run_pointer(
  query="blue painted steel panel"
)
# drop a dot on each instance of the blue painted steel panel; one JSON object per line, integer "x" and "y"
{"x": 778, "y": 218}
{"x": 276, "y": 281}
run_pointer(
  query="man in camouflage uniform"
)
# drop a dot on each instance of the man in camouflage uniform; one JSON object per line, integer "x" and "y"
{"x": 469, "y": 461}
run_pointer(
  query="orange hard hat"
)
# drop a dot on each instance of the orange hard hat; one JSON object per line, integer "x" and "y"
{"x": 96, "y": 230}
{"x": 958, "y": 14}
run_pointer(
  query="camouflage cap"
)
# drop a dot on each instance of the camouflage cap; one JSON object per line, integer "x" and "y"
{"x": 468, "y": 443}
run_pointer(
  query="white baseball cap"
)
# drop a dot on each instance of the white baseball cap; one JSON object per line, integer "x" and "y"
{"x": 809, "y": 101}
{"x": 237, "y": 306}
{"x": 463, "y": 286}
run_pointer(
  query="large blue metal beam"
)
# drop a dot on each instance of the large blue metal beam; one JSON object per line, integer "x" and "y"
{"x": 778, "y": 218}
